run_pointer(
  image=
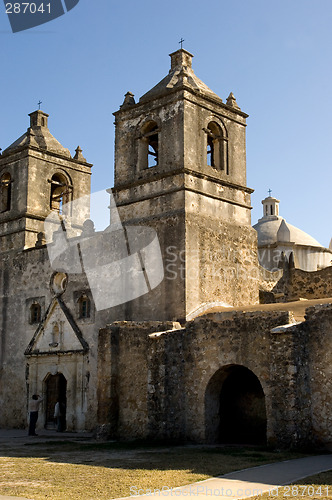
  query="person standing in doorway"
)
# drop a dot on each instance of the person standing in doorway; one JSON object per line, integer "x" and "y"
{"x": 33, "y": 409}
{"x": 58, "y": 415}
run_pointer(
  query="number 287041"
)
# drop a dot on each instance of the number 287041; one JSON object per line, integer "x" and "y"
{"x": 28, "y": 8}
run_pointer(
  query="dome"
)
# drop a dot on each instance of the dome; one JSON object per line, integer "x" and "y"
{"x": 276, "y": 230}
{"x": 272, "y": 228}
{"x": 280, "y": 242}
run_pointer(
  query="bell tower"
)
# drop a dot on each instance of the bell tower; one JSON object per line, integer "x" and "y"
{"x": 38, "y": 175}
{"x": 180, "y": 166}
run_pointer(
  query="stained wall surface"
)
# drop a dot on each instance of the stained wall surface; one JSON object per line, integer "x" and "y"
{"x": 176, "y": 367}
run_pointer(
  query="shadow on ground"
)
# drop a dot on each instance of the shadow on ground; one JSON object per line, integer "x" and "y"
{"x": 203, "y": 460}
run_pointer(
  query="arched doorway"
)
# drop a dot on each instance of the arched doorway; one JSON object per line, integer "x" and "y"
{"x": 56, "y": 388}
{"x": 235, "y": 407}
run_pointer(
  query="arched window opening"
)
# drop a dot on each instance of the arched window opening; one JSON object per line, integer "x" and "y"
{"x": 271, "y": 209}
{"x": 35, "y": 313}
{"x": 60, "y": 192}
{"x": 210, "y": 152}
{"x": 216, "y": 147}
{"x": 153, "y": 150}
{"x": 5, "y": 186}
{"x": 84, "y": 307}
{"x": 149, "y": 145}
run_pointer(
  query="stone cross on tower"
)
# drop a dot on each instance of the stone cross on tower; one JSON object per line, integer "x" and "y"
{"x": 181, "y": 42}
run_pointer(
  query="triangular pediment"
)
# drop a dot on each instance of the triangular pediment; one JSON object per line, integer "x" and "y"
{"x": 57, "y": 333}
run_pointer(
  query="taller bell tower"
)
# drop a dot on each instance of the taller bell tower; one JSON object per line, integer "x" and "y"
{"x": 38, "y": 175}
{"x": 180, "y": 166}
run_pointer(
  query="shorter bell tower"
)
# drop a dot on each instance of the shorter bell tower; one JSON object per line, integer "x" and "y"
{"x": 38, "y": 175}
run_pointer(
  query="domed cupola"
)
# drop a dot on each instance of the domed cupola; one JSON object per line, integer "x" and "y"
{"x": 276, "y": 237}
{"x": 270, "y": 207}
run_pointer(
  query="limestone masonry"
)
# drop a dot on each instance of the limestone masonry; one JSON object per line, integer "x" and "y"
{"x": 230, "y": 343}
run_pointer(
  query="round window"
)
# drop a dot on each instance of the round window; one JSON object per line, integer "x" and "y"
{"x": 59, "y": 283}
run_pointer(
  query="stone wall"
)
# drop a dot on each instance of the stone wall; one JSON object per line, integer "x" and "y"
{"x": 291, "y": 284}
{"x": 221, "y": 262}
{"x": 271, "y": 285}
{"x": 124, "y": 373}
{"x": 318, "y": 331}
{"x": 162, "y": 375}
{"x": 309, "y": 285}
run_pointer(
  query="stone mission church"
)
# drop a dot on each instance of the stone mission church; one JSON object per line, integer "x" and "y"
{"x": 220, "y": 349}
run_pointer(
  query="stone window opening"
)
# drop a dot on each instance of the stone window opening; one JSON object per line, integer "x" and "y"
{"x": 216, "y": 147}
{"x": 210, "y": 152}
{"x": 6, "y": 191}
{"x": 84, "y": 307}
{"x": 149, "y": 145}
{"x": 35, "y": 313}
{"x": 153, "y": 150}
{"x": 61, "y": 193}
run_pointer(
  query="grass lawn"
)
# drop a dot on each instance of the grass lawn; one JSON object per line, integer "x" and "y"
{"x": 75, "y": 471}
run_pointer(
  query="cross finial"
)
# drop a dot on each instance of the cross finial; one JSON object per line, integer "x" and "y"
{"x": 39, "y": 103}
{"x": 181, "y": 42}
{"x": 270, "y": 191}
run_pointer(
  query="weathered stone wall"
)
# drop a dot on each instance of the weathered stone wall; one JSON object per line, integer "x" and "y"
{"x": 221, "y": 262}
{"x": 167, "y": 396}
{"x": 124, "y": 375}
{"x": 167, "y": 300}
{"x": 246, "y": 340}
{"x": 17, "y": 273}
{"x": 268, "y": 280}
{"x": 318, "y": 331}
{"x": 167, "y": 392}
{"x": 207, "y": 256}
{"x": 289, "y": 393}
{"x": 309, "y": 285}
{"x": 291, "y": 284}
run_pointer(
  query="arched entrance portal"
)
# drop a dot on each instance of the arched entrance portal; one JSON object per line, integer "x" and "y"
{"x": 235, "y": 407}
{"x": 56, "y": 388}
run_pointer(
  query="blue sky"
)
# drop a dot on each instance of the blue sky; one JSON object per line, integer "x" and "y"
{"x": 275, "y": 56}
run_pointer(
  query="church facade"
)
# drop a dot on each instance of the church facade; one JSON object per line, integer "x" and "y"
{"x": 191, "y": 354}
